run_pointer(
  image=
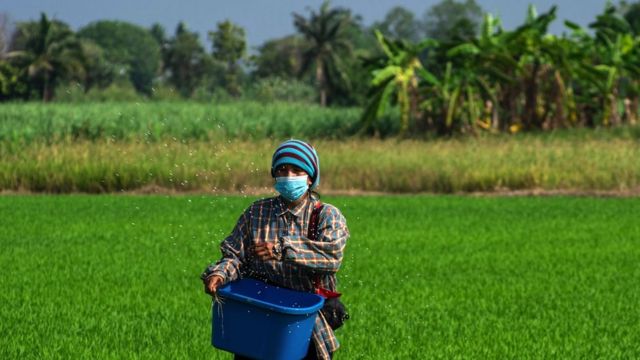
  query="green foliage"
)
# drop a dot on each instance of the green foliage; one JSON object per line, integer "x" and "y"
{"x": 159, "y": 34}
{"x": 268, "y": 90}
{"x": 279, "y": 58}
{"x": 186, "y": 61}
{"x": 228, "y": 42}
{"x": 118, "y": 91}
{"x": 632, "y": 16}
{"x": 618, "y": 61}
{"x": 525, "y": 79}
{"x": 397, "y": 73}
{"x": 464, "y": 277}
{"x": 130, "y": 49}
{"x": 154, "y": 121}
{"x": 163, "y": 92}
{"x": 46, "y": 52}
{"x": 98, "y": 72}
{"x": 399, "y": 23}
{"x": 229, "y": 46}
{"x": 13, "y": 85}
{"x": 364, "y": 45}
{"x": 452, "y": 21}
{"x": 474, "y": 79}
{"x": 325, "y": 32}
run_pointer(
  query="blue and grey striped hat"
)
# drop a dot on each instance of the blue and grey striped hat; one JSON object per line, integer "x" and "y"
{"x": 300, "y": 154}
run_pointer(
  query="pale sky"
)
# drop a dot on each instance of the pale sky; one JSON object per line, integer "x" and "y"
{"x": 267, "y": 19}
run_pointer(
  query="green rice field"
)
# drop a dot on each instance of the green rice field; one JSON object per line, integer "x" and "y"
{"x": 452, "y": 277}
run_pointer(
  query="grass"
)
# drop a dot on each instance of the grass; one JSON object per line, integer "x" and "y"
{"x": 151, "y": 122}
{"x": 195, "y": 121}
{"x": 439, "y": 166}
{"x": 452, "y": 277}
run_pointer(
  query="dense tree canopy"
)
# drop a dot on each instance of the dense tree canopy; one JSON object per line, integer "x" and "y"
{"x": 229, "y": 46}
{"x": 47, "y": 51}
{"x": 185, "y": 61}
{"x": 400, "y": 23}
{"x": 13, "y": 84}
{"x": 279, "y": 57}
{"x": 98, "y": 72}
{"x": 131, "y": 49}
{"x": 450, "y": 20}
{"x": 631, "y": 13}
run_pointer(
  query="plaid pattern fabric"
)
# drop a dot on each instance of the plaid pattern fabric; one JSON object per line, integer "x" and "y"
{"x": 302, "y": 260}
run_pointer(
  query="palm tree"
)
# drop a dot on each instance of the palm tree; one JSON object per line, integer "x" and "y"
{"x": 47, "y": 51}
{"x": 325, "y": 32}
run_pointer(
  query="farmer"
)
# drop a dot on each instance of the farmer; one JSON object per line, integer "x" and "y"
{"x": 271, "y": 240}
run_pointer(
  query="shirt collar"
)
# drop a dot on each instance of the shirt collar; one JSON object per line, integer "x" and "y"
{"x": 296, "y": 211}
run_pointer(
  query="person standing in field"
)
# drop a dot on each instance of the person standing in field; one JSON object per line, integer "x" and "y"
{"x": 272, "y": 242}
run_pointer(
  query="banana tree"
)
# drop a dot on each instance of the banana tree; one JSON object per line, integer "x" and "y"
{"x": 529, "y": 42}
{"x": 483, "y": 69}
{"x": 453, "y": 102}
{"x": 617, "y": 63}
{"x": 397, "y": 73}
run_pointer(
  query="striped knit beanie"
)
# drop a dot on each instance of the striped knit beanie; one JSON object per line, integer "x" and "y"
{"x": 300, "y": 154}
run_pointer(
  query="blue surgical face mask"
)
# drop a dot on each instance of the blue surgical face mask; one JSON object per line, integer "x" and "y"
{"x": 292, "y": 187}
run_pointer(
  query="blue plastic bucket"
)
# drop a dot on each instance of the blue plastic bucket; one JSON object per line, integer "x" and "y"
{"x": 262, "y": 321}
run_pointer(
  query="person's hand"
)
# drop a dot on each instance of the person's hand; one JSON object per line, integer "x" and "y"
{"x": 265, "y": 251}
{"x": 212, "y": 283}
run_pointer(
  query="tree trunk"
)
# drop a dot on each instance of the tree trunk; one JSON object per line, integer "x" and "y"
{"x": 47, "y": 92}
{"x": 531, "y": 99}
{"x": 626, "y": 116}
{"x": 414, "y": 104}
{"x": 321, "y": 83}
{"x": 559, "y": 96}
{"x": 495, "y": 119}
{"x": 231, "y": 79}
{"x": 615, "y": 114}
{"x": 633, "y": 118}
{"x": 405, "y": 109}
{"x": 509, "y": 105}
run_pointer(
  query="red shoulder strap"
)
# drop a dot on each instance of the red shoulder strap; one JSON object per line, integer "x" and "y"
{"x": 312, "y": 232}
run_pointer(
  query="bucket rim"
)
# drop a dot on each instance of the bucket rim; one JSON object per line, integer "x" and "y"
{"x": 225, "y": 292}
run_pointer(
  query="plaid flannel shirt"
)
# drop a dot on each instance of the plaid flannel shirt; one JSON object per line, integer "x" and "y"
{"x": 301, "y": 261}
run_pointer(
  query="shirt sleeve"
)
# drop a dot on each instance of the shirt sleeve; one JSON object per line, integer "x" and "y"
{"x": 323, "y": 255}
{"x": 233, "y": 252}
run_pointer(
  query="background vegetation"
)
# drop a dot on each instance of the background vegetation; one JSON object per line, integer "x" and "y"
{"x": 152, "y": 122}
{"x": 407, "y": 104}
{"x": 456, "y": 70}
